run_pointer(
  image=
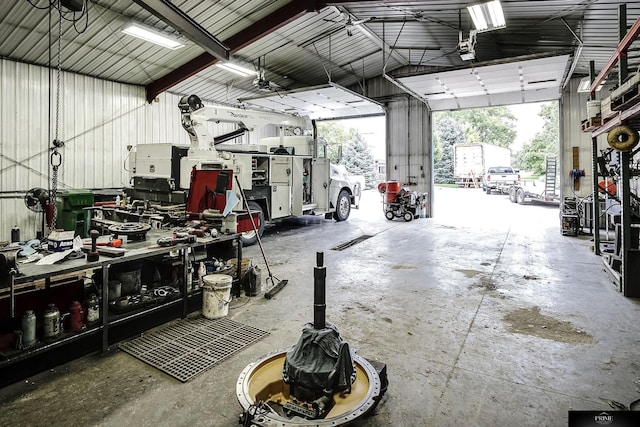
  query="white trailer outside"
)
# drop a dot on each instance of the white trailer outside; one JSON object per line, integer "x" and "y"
{"x": 471, "y": 161}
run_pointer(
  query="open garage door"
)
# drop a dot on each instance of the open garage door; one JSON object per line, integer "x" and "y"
{"x": 325, "y": 102}
{"x": 521, "y": 80}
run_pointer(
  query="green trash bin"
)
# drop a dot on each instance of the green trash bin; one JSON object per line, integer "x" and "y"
{"x": 71, "y": 212}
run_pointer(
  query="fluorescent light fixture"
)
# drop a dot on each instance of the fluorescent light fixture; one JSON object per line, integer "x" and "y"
{"x": 152, "y": 35}
{"x": 237, "y": 69}
{"x": 487, "y": 16}
{"x": 585, "y": 85}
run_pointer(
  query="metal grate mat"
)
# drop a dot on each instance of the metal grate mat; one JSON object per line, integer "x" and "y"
{"x": 190, "y": 347}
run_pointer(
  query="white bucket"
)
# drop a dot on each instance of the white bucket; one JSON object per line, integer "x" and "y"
{"x": 216, "y": 295}
{"x": 593, "y": 109}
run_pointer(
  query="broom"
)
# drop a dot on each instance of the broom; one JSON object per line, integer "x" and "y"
{"x": 275, "y": 287}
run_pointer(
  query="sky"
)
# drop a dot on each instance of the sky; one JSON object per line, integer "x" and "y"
{"x": 372, "y": 129}
{"x": 529, "y": 122}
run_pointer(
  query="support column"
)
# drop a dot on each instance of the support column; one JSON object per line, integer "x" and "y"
{"x": 625, "y": 223}
{"x": 594, "y": 176}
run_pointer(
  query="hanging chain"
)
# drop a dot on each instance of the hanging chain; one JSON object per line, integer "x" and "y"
{"x": 56, "y": 157}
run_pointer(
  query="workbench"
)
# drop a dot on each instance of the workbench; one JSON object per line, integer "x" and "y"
{"x": 38, "y": 282}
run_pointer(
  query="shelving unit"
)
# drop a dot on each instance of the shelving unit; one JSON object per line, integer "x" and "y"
{"x": 259, "y": 170}
{"x": 622, "y": 267}
{"x": 111, "y": 328}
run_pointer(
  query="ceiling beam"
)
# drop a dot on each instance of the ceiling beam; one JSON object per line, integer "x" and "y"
{"x": 270, "y": 23}
{"x": 384, "y": 46}
{"x": 182, "y": 22}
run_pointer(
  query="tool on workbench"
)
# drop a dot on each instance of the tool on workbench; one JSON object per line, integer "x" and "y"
{"x": 133, "y": 230}
{"x": 114, "y": 243}
{"x": 107, "y": 251}
{"x": 176, "y": 239}
{"x": 105, "y": 241}
{"x": 275, "y": 287}
{"x": 93, "y": 254}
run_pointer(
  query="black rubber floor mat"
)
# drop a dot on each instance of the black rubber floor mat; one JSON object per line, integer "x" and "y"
{"x": 191, "y": 346}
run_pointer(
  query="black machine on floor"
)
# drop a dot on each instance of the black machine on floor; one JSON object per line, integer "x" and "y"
{"x": 569, "y": 217}
{"x": 319, "y": 379}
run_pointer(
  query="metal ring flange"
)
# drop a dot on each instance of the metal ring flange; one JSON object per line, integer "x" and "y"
{"x": 255, "y": 372}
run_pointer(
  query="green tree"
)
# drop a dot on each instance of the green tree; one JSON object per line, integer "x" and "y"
{"x": 533, "y": 154}
{"x": 493, "y": 125}
{"x": 358, "y": 159}
{"x": 337, "y": 137}
{"x": 448, "y": 132}
{"x": 437, "y": 148}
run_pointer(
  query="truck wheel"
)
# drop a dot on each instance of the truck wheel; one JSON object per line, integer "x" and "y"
{"x": 249, "y": 237}
{"x": 408, "y": 216}
{"x": 389, "y": 215}
{"x": 343, "y": 206}
{"x": 512, "y": 195}
{"x": 520, "y": 195}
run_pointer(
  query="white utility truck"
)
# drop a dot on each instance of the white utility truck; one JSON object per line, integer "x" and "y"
{"x": 283, "y": 176}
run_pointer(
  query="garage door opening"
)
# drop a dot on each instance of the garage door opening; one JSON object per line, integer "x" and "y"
{"x": 496, "y": 151}
{"x": 357, "y": 145}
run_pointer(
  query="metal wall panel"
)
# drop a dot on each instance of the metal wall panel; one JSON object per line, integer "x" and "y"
{"x": 409, "y": 145}
{"x": 380, "y": 89}
{"x": 98, "y": 119}
{"x": 573, "y": 111}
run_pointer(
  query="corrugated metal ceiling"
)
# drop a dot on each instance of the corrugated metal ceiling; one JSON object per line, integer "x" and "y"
{"x": 311, "y": 50}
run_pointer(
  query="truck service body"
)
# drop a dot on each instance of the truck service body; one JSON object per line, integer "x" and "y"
{"x": 282, "y": 176}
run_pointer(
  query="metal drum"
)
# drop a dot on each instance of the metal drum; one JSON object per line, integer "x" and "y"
{"x": 51, "y": 322}
{"x": 28, "y": 328}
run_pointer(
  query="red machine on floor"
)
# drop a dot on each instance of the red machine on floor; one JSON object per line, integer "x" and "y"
{"x": 401, "y": 203}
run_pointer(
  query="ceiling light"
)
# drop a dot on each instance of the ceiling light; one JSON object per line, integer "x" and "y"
{"x": 487, "y": 16}
{"x": 585, "y": 85}
{"x": 152, "y": 35}
{"x": 237, "y": 69}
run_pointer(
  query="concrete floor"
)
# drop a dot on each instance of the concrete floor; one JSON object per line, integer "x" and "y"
{"x": 485, "y": 315}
